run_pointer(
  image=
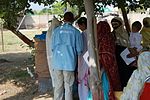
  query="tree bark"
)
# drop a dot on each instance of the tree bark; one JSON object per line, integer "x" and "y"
{"x": 92, "y": 49}
{"x": 22, "y": 37}
{"x": 121, "y": 5}
{"x": 126, "y": 21}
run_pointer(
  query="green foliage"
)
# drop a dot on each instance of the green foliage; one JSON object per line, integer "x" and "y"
{"x": 79, "y": 4}
{"x": 61, "y": 7}
{"x": 35, "y": 12}
{"x": 146, "y": 4}
{"x": 45, "y": 11}
{"x": 1, "y": 22}
{"x": 58, "y": 8}
{"x": 19, "y": 74}
{"x": 10, "y": 10}
{"x": 130, "y": 5}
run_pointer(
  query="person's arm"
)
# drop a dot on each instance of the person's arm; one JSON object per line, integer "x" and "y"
{"x": 139, "y": 40}
{"x": 133, "y": 52}
{"x": 79, "y": 49}
{"x": 79, "y": 42}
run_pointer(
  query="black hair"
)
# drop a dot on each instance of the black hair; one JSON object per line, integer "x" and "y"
{"x": 115, "y": 20}
{"x": 137, "y": 24}
{"x": 82, "y": 20}
{"x": 145, "y": 22}
{"x": 68, "y": 16}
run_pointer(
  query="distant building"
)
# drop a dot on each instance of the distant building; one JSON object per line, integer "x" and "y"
{"x": 34, "y": 21}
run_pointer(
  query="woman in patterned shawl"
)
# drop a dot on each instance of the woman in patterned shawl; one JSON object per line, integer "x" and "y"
{"x": 106, "y": 49}
{"x": 137, "y": 80}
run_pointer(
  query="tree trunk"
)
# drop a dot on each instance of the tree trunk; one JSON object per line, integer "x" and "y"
{"x": 92, "y": 49}
{"x": 121, "y": 5}
{"x": 124, "y": 14}
{"x": 22, "y": 37}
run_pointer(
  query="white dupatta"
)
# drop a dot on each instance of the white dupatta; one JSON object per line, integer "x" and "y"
{"x": 137, "y": 80}
{"x": 54, "y": 23}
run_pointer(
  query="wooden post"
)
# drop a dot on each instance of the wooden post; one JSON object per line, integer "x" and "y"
{"x": 2, "y": 37}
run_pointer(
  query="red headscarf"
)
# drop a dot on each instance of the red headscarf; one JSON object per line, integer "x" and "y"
{"x": 103, "y": 28}
{"x": 106, "y": 42}
{"x": 106, "y": 49}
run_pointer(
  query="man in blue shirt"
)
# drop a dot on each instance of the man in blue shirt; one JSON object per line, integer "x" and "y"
{"x": 67, "y": 44}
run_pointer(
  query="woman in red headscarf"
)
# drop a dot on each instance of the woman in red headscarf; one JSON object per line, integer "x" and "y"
{"x": 107, "y": 59}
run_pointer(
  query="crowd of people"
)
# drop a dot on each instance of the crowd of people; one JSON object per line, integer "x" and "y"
{"x": 67, "y": 46}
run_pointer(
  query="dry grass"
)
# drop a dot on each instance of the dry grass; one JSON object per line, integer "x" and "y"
{"x": 13, "y": 43}
{"x": 15, "y": 82}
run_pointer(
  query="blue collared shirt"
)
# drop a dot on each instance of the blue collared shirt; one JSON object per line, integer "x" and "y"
{"x": 67, "y": 44}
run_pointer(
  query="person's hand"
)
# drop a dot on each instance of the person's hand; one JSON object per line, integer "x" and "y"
{"x": 130, "y": 55}
{"x": 134, "y": 64}
{"x": 133, "y": 52}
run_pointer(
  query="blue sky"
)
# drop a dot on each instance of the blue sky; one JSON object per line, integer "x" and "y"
{"x": 37, "y": 7}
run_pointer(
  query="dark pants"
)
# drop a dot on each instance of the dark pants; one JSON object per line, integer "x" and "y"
{"x": 125, "y": 71}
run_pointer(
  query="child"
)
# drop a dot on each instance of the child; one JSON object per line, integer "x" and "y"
{"x": 146, "y": 33}
{"x": 135, "y": 39}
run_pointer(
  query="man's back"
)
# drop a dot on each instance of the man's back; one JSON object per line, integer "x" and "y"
{"x": 66, "y": 45}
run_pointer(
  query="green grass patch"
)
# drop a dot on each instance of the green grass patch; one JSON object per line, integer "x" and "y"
{"x": 13, "y": 43}
{"x": 19, "y": 74}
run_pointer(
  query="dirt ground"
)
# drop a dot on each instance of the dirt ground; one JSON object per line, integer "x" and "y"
{"x": 15, "y": 82}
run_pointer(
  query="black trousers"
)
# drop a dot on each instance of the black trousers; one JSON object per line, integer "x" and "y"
{"x": 125, "y": 71}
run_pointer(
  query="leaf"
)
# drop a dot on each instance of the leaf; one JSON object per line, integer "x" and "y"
{"x": 142, "y": 1}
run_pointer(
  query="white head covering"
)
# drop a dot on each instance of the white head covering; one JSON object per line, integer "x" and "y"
{"x": 136, "y": 82}
{"x": 121, "y": 34}
{"x": 55, "y": 23}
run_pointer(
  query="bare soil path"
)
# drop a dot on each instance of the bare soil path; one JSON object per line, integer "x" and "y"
{"x": 15, "y": 82}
